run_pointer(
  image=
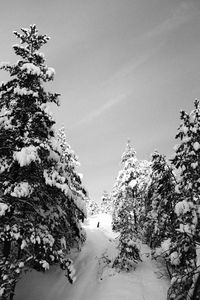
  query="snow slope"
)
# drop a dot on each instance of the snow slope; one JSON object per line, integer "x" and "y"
{"x": 96, "y": 280}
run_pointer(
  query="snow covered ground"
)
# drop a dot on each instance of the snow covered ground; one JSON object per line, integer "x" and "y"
{"x": 96, "y": 280}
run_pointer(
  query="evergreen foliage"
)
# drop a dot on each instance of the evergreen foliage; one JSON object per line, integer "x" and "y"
{"x": 106, "y": 204}
{"x": 172, "y": 223}
{"x": 128, "y": 199}
{"x": 128, "y": 160}
{"x": 92, "y": 207}
{"x": 128, "y": 251}
{"x": 184, "y": 251}
{"x": 160, "y": 201}
{"x": 41, "y": 194}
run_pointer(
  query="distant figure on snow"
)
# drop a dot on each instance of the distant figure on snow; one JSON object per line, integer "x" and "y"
{"x": 98, "y": 224}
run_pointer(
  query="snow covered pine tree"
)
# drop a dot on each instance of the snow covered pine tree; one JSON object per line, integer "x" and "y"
{"x": 118, "y": 188}
{"x": 39, "y": 209}
{"x": 184, "y": 250}
{"x": 106, "y": 204}
{"x": 160, "y": 202}
{"x": 92, "y": 207}
{"x": 125, "y": 213}
{"x": 67, "y": 167}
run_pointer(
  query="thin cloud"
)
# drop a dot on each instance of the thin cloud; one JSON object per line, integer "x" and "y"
{"x": 101, "y": 110}
{"x": 133, "y": 65}
{"x": 182, "y": 14}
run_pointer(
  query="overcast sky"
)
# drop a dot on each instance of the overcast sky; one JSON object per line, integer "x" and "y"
{"x": 124, "y": 69}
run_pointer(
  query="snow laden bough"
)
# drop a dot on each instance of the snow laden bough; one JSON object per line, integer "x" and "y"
{"x": 42, "y": 197}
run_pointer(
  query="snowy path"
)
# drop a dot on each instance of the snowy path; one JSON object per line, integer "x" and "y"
{"x": 87, "y": 264}
{"x": 96, "y": 281}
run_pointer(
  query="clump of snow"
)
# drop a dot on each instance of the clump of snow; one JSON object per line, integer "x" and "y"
{"x": 196, "y": 146}
{"x": 44, "y": 264}
{"x": 40, "y": 54}
{"x": 23, "y": 244}
{"x": 50, "y": 73}
{"x": 187, "y": 228}
{"x": 54, "y": 179}
{"x": 183, "y": 207}
{"x": 133, "y": 183}
{"x": 22, "y": 189}
{"x": 165, "y": 245}
{"x": 194, "y": 165}
{"x": 24, "y": 92}
{"x": 3, "y": 164}
{"x": 31, "y": 69}
{"x": 174, "y": 258}
{"x": 17, "y": 46}
{"x": 21, "y": 264}
{"x": 194, "y": 129}
{"x": 3, "y": 208}
{"x": 26, "y": 155}
{"x": 42, "y": 235}
{"x": 44, "y": 107}
{"x": 6, "y": 120}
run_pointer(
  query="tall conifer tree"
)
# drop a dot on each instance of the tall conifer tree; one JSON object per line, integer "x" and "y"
{"x": 184, "y": 248}
{"x": 160, "y": 201}
{"x": 38, "y": 208}
{"x": 106, "y": 204}
{"x": 126, "y": 208}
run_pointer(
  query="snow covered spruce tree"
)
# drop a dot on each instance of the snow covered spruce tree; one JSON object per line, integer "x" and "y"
{"x": 67, "y": 167}
{"x": 39, "y": 203}
{"x": 128, "y": 249}
{"x": 160, "y": 201}
{"x": 128, "y": 207}
{"x": 106, "y": 204}
{"x": 119, "y": 185}
{"x": 184, "y": 251}
{"x": 92, "y": 207}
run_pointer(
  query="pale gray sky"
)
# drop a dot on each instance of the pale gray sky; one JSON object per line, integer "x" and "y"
{"x": 124, "y": 69}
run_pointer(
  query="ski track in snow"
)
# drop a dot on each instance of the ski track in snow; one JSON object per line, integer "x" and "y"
{"x": 95, "y": 280}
